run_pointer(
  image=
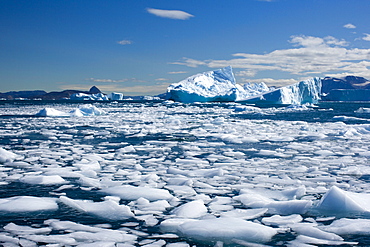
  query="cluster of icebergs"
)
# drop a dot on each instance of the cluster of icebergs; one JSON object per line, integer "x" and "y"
{"x": 220, "y": 85}
{"x": 97, "y": 97}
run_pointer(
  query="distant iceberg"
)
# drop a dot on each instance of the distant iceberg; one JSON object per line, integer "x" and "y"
{"x": 220, "y": 85}
{"x": 217, "y": 85}
{"x": 308, "y": 91}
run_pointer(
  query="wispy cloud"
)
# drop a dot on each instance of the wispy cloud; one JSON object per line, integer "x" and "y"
{"x": 177, "y": 72}
{"x": 172, "y": 14}
{"x": 366, "y": 37}
{"x": 114, "y": 81}
{"x": 313, "y": 56}
{"x": 125, "y": 42}
{"x": 350, "y": 26}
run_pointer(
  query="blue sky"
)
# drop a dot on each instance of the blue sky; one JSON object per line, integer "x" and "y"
{"x": 140, "y": 47}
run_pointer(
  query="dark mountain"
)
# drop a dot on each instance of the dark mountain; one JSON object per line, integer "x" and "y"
{"x": 22, "y": 94}
{"x": 348, "y": 82}
{"x": 94, "y": 90}
{"x": 39, "y": 94}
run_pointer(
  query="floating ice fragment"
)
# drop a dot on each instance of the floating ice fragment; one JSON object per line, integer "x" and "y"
{"x": 27, "y": 204}
{"x": 312, "y": 231}
{"x": 131, "y": 193}
{"x": 305, "y": 241}
{"x": 226, "y": 230}
{"x": 6, "y": 156}
{"x": 256, "y": 200}
{"x": 277, "y": 220}
{"x": 42, "y": 179}
{"x": 245, "y": 214}
{"x": 90, "y": 110}
{"x": 109, "y": 209}
{"x": 51, "y": 112}
{"x": 338, "y": 201}
{"x": 194, "y": 209}
{"x": 347, "y": 226}
{"x": 363, "y": 110}
{"x": 20, "y": 230}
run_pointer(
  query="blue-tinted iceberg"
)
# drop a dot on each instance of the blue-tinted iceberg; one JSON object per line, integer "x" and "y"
{"x": 308, "y": 91}
{"x": 115, "y": 96}
{"x": 85, "y": 96}
{"x": 218, "y": 85}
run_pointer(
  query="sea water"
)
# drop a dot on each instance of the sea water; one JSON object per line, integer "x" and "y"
{"x": 159, "y": 173}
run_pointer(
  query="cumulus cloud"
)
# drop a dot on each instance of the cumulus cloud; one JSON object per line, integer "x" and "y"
{"x": 312, "y": 56}
{"x": 172, "y": 14}
{"x": 350, "y": 26}
{"x": 125, "y": 42}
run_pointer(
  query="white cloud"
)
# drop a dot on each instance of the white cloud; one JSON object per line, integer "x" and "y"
{"x": 172, "y": 14}
{"x": 114, "y": 81}
{"x": 312, "y": 56}
{"x": 161, "y": 79}
{"x": 367, "y": 37}
{"x": 248, "y": 73}
{"x": 349, "y": 25}
{"x": 125, "y": 42}
{"x": 177, "y": 72}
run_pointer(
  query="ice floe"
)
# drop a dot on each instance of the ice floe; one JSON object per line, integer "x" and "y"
{"x": 18, "y": 204}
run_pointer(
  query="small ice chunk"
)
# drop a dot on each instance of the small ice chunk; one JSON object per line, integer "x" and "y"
{"x": 6, "y": 156}
{"x": 339, "y": 201}
{"x": 17, "y": 229}
{"x": 226, "y": 230}
{"x": 109, "y": 209}
{"x": 311, "y": 231}
{"x": 277, "y": 220}
{"x": 254, "y": 200}
{"x": 27, "y": 204}
{"x": 245, "y": 214}
{"x": 171, "y": 225}
{"x": 194, "y": 209}
{"x": 347, "y": 226}
{"x": 51, "y": 112}
{"x": 132, "y": 193}
{"x": 90, "y": 110}
{"x": 41, "y": 179}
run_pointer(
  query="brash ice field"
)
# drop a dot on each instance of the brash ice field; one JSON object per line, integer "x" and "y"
{"x": 165, "y": 173}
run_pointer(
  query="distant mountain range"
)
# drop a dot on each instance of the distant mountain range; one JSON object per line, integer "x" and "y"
{"x": 40, "y": 94}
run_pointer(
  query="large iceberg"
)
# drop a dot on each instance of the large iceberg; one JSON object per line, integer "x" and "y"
{"x": 308, "y": 91}
{"x": 218, "y": 85}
